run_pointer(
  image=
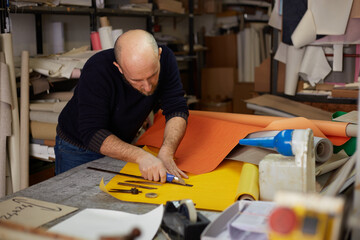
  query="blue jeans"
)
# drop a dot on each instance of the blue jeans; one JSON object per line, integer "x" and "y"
{"x": 68, "y": 156}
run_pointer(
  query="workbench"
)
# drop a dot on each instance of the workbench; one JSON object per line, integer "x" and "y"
{"x": 79, "y": 187}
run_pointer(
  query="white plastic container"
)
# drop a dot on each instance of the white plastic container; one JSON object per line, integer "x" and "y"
{"x": 278, "y": 172}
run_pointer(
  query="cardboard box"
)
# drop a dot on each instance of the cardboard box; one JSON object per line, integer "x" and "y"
{"x": 212, "y": 6}
{"x": 345, "y": 93}
{"x": 224, "y": 106}
{"x": 217, "y": 84}
{"x": 262, "y": 77}
{"x": 222, "y": 51}
{"x": 242, "y": 92}
{"x": 139, "y": 1}
{"x": 170, "y": 5}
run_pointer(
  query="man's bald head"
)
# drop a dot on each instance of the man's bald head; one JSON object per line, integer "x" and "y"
{"x": 135, "y": 44}
{"x": 138, "y": 59}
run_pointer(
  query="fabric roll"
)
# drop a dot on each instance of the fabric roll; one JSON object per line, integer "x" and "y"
{"x": 41, "y": 130}
{"x": 323, "y": 149}
{"x": 24, "y": 120}
{"x": 249, "y": 183}
{"x": 95, "y": 41}
{"x": 104, "y": 21}
{"x": 56, "y": 107}
{"x": 43, "y": 116}
{"x": 115, "y": 34}
{"x": 5, "y": 120}
{"x": 60, "y": 96}
{"x": 56, "y": 38}
{"x": 293, "y": 63}
{"x": 14, "y": 148}
{"x": 314, "y": 66}
{"x": 105, "y": 37}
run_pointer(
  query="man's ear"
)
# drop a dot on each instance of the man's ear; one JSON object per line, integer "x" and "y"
{"x": 160, "y": 50}
{"x": 118, "y": 66}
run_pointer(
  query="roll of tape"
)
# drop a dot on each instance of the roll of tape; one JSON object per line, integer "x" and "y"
{"x": 188, "y": 209}
{"x": 323, "y": 149}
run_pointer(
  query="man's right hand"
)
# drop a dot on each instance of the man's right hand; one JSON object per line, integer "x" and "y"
{"x": 152, "y": 168}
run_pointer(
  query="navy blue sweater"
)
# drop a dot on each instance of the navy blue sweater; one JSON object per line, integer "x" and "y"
{"x": 105, "y": 103}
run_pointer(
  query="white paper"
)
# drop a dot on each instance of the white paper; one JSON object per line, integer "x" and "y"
{"x": 281, "y": 53}
{"x": 94, "y": 223}
{"x": 252, "y": 221}
{"x": 314, "y": 66}
{"x": 275, "y": 19}
{"x": 293, "y": 63}
{"x": 305, "y": 32}
{"x": 338, "y": 57}
{"x": 330, "y": 16}
{"x": 320, "y": 19}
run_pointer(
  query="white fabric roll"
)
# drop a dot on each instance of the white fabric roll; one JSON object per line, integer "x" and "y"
{"x": 55, "y": 37}
{"x": 43, "y": 116}
{"x": 105, "y": 37}
{"x": 323, "y": 149}
{"x": 293, "y": 62}
{"x": 115, "y": 34}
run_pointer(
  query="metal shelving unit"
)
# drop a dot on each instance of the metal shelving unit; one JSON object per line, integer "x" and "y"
{"x": 93, "y": 12}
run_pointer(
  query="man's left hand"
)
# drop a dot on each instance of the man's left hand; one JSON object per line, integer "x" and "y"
{"x": 171, "y": 167}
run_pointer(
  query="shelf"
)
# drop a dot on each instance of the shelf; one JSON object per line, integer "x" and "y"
{"x": 257, "y": 3}
{"x": 161, "y": 13}
{"x": 320, "y": 99}
{"x": 121, "y": 12}
{"x": 54, "y": 10}
{"x": 89, "y": 10}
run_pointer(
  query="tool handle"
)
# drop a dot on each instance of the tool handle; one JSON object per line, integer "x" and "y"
{"x": 169, "y": 177}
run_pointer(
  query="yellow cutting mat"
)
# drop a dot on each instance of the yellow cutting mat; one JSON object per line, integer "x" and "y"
{"x": 215, "y": 190}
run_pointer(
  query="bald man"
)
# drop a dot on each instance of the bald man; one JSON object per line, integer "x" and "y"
{"x": 117, "y": 90}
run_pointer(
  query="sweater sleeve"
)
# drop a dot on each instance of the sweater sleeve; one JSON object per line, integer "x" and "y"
{"x": 94, "y": 105}
{"x": 173, "y": 102}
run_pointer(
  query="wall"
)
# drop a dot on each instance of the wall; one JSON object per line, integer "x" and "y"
{"x": 77, "y": 29}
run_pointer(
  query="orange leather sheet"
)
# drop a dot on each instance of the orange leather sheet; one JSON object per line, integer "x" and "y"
{"x": 334, "y": 131}
{"x": 206, "y": 143}
{"x": 210, "y": 136}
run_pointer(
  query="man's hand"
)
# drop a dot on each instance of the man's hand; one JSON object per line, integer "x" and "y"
{"x": 152, "y": 168}
{"x": 170, "y": 165}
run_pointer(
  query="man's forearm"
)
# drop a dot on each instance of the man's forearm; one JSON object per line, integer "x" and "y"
{"x": 174, "y": 132}
{"x": 114, "y": 147}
